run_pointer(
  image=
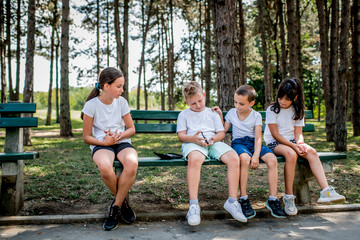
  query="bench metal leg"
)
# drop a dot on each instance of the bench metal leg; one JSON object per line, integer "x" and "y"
{"x": 301, "y": 188}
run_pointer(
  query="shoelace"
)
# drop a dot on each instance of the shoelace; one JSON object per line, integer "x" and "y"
{"x": 246, "y": 204}
{"x": 193, "y": 210}
{"x": 277, "y": 205}
{"x": 290, "y": 200}
{"x": 112, "y": 213}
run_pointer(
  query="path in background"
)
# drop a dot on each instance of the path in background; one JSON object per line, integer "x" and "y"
{"x": 339, "y": 225}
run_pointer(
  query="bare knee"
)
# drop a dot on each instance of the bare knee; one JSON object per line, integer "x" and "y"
{"x": 130, "y": 166}
{"x": 272, "y": 162}
{"x": 231, "y": 159}
{"x": 245, "y": 159}
{"x": 106, "y": 171}
{"x": 195, "y": 159}
{"x": 290, "y": 156}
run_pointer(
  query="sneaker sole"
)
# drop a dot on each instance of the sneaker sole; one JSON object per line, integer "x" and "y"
{"x": 110, "y": 229}
{"x": 327, "y": 202}
{"x": 240, "y": 220}
{"x": 272, "y": 213}
{"x": 249, "y": 217}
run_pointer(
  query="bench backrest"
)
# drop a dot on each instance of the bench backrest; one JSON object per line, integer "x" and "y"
{"x": 11, "y": 115}
{"x": 170, "y": 116}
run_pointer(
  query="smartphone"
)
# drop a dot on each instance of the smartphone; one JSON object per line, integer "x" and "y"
{"x": 205, "y": 138}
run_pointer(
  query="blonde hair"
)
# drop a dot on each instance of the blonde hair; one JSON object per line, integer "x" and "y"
{"x": 192, "y": 88}
{"x": 246, "y": 90}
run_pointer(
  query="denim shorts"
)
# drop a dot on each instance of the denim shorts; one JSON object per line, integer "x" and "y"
{"x": 273, "y": 145}
{"x": 246, "y": 145}
{"x": 214, "y": 151}
{"x": 116, "y": 148}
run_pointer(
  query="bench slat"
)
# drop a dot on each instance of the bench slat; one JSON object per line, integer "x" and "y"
{"x": 7, "y": 157}
{"x": 18, "y": 122}
{"x": 17, "y": 107}
{"x": 157, "y": 162}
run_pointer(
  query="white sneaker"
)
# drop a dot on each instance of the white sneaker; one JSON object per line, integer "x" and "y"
{"x": 235, "y": 210}
{"x": 193, "y": 215}
{"x": 290, "y": 208}
{"x": 330, "y": 196}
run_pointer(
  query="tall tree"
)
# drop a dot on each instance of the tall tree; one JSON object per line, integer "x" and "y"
{"x": 65, "y": 120}
{"x": 98, "y": 37}
{"x": 18, "y": 50}
{"x": 242, "y": 44}
{"x": 355, "y": 104}
{"x": 324, "y": 49}
{"x": 283, "y": 64}
{"x": 207, "y": 74}
{"x": 170, "y": 59}
{"x": 292, "y": 38}
{"x": 57, "y": 77}
{"x": 340, "y": 138}
{"x": 53, "y": 9}
{"x": 29, "y": 65}
{"x": 264, "y": 50}
{"x": 228, "y": 64}
{"x": 8, "y": 43}
{"x": 2, "y": 54}
{"x": 298, "y": 42}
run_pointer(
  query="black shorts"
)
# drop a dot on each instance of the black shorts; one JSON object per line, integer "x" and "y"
{"x": 116, "y": 148}
{"x": 273, "y": 145}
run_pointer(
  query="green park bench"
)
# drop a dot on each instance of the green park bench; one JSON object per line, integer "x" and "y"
{"x": 166, "y": 125}
{"x": 11, "y": 160}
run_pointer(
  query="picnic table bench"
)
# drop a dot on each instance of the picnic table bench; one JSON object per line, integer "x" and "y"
{"x": 166, "y": 125}
{"x": 11, "y": 160}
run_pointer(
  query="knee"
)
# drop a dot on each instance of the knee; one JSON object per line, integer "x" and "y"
{"x": 245, "y": 160}
{"x": 291, "y": 156}
{"x": 231, "y": 159}
{"x": 272, "y": 163}
{"x": 106, "y": 171}
{"x": 311, "y": 151}
{"x": 130, "y": 166}
{"x": 195, "y": 159}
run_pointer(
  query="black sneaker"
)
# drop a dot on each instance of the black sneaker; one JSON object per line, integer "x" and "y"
{"x": 247, "y": 210}
{"x": 275, "y": 208}
{"x": 112, "y": 220}
{"x": 127, "y": 214}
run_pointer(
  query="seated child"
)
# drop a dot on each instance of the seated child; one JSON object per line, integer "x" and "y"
{"x": 247, "y": 142}
{"x": 201, "y": 132}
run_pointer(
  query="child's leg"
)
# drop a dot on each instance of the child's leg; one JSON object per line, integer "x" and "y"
{"x": 272, "y": 164}
{"x": 104, "y": 159}
{"x": 231, "y": 160}
{"x": 290, "y": 164}
{"x": 195, "y": 161}
{"x": 244, "y": 173}
{"x": 129, "y": 159}
{"x": 316, "y": 166}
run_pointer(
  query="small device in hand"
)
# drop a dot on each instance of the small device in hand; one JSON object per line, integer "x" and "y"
{"x": 202, "y": 134}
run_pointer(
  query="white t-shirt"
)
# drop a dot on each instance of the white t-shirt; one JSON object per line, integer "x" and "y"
{"x": 107, "y": 117}
{"x": 245, "y": 128}
{"x": 206, "y": 121}
{"x": 285, "y": 123}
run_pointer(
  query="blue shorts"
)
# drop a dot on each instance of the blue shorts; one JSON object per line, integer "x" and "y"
{"x": 246, "y": 145}
{"x": 116, "y": 148}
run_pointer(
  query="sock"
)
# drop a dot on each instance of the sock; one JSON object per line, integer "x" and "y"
{"x": 232, "y": 200}
{"x": 195, "y": 201}
{"x": 244, "y": 197}
{"x": 288, "y": 195}
{"x": 272, "y": 198}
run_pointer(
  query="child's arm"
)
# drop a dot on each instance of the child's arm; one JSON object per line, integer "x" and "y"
{"x": 130, "y": 127}
{"x": 257, "y": 148}
{"x": 109, "y": 139}
{"x": 219, "y": 136}
{"x": 274, "y": 130}
{"x": 218, "y": 110}
{"x": 299, "y": 138}
{"x": 197, "y": 139}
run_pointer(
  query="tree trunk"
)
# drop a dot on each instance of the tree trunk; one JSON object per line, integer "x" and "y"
{"x": 8, "y": 43}
{"x": 242, "y": 44}
{"x": 54, "y": 21}
{"x": 145, "y": 29}
{"x": 334, "y": 49}
{"x": 267, "y": 81}
{"x": 298, "y": 43}
{"x": 192, "y": 48}
{"x": 293, "y": 64}
{"x": 355, "y": 104}
{"x": 324, "y": 43}
{"x": 65, "y": 120}
{"x": 29, "y": 65}
{"x": 2, "y": 54}
{"x": 283, "y": 64}
{"x": 170, "y": 65}
{"x": 57, "y": 78}
{"x": 125, "y": 57}
{"x": 98, "y": 37}
{"x": 227, "y": 51}
{"x": 18, "y": 50}
{"x": 207, "y": 74}
{"x": 201, "y": 46}
{"x": 340, "y": 138}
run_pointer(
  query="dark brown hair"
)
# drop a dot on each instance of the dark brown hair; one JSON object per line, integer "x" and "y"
{"x": 246, "y": 90}
{"x": 108, "y": 75}
{"x": 292, "y": 88}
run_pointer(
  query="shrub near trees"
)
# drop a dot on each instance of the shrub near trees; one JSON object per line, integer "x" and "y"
{"x": 227, "y": 43}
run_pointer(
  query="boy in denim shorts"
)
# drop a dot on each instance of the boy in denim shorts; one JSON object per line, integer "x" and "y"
{"x": 201, "y": 131}
{"x": 247, "y": 142}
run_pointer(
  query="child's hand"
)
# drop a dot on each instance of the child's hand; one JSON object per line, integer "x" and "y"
{"x": 199, "y": 140}
{"x": 302, "y": 147}
{"x": 112, "y": 138}
{"x": 254, "y": 163}
{"x": 299, "y": 150}
{"x": 211, "y": 141}
{"x": 217, "y": 109}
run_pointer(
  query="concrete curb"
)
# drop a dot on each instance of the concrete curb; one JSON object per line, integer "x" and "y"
{"x": 167, "y": 216}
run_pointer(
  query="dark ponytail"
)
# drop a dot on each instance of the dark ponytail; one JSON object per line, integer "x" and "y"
{"x": 108, "y": 75}
{"x": 292, "y": 88}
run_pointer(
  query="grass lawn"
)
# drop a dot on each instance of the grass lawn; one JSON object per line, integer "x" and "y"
{"x": 64, "y": 180}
